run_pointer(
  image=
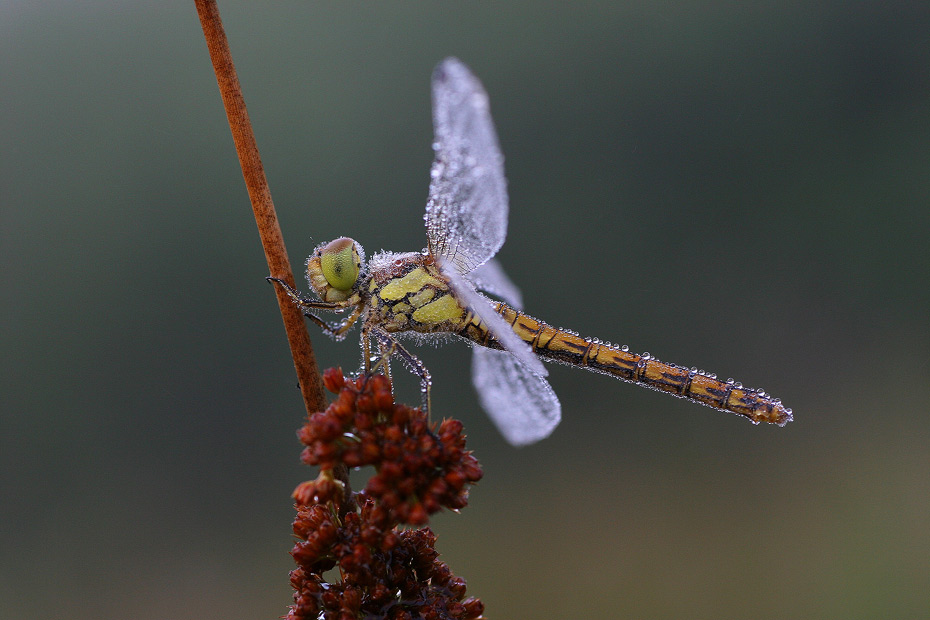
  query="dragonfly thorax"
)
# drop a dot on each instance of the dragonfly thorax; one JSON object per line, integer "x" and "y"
{"x": 333, "y": 269}
{"x": 408, "y": 293}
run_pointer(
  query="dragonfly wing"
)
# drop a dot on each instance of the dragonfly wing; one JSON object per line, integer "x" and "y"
{"x": 522, "y": 405}
{"x": 490, "y": 277}
{"x": 466, "y": 213}
{"x": 466, "y": 224}
{"x": 466, "y": 294}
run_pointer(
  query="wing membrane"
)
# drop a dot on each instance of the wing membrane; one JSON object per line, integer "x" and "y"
{"x": 466, "y": 224}
{"x": 490, "y": 277}
{"x": 522, "y": 405}
{"x": 466, "y": 213}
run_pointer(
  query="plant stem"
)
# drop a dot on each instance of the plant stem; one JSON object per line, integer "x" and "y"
{"x": 311, "y": 385}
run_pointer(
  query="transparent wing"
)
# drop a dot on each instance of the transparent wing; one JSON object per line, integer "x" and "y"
{"x": 522, "y": 405}
{"x": 466, "y": 224}
{"x": 465, "y": 292}
{"x": 466, "y": 213}
{"x": 490, "y": 277}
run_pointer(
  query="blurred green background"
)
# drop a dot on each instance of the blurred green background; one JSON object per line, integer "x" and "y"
{"x": 743, "y": 187}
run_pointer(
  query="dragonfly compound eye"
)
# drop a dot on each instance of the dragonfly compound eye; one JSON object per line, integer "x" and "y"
{"x": 340, "y": 263}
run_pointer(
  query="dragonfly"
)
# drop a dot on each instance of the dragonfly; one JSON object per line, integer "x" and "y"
{"x": 436, "y": 291}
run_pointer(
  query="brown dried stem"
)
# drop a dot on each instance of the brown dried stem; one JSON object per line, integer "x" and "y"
{"x": 311, "y": 385}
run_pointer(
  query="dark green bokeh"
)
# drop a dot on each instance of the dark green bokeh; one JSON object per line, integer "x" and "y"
{"x": 743, "y": 187}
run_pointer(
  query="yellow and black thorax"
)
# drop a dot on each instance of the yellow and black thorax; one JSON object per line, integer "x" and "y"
{"x": 409, "y": 293}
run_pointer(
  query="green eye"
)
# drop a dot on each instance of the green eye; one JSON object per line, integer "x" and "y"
{"x": 339, "y": 262}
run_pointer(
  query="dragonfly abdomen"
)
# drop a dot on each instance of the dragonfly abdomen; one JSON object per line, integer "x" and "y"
{"x": 569, "y": 348}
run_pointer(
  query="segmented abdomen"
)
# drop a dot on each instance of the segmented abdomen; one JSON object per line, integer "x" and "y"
{"x": 569, "y": 348}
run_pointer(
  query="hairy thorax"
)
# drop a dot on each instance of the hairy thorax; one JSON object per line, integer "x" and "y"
{"x": 408, "y": 293}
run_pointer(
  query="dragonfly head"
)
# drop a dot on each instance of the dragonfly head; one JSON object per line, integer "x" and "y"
{"x": 333, "y": 269}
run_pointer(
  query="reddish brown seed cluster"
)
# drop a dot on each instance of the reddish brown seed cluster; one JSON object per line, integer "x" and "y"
{"x": 384, "y": 571}
{"x": 419, "y": 469}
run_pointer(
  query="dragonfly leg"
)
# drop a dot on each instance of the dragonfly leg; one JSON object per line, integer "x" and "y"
{"x": 388, "y": 346}
{"x": 336, "y": 330}
{"x": 300, "y": 300}
{"x": 366, "y": 351}
{"x": 383, "y": 358}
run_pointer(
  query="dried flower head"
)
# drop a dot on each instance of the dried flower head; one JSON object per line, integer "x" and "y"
{"x": 384, "y": 571}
